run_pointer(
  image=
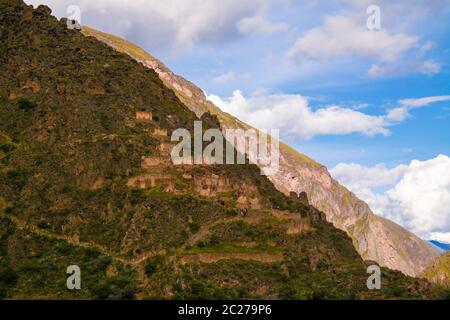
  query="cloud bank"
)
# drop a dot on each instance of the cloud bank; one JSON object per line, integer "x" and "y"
{"x": 417, "y": 196}
{"x": 341, "y": 36}
{"x": 176, "y": 24}
{"x": 397, "y": 47}
{"x": 294, "y": 117}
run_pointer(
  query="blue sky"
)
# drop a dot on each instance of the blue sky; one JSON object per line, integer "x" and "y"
{"x": 372, "y": 105}
{"x": 257, "y": 63}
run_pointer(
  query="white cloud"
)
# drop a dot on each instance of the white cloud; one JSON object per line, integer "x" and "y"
{"x": 176, "y": 24}
{"x": 343, "y": 36}
{"x": 440, "y": 236}
{"x": 228, "y": 76}
{"x": 364, "y": 177}
{"x": 418, "y": 195}
{"x": 393, "y": 50}
{"x": 401, "y": 113}
{"x": 377, "y": 71}
{"x": 428, "y": 68}
{"x": 294, "y": 117}
{"x": 423, "y": 102}
{"x": 398, "y": 114}
{"x": 260, "y": 25}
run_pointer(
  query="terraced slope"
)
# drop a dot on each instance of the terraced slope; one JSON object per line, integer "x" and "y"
{"x": 85, "y": 179}
{"x": 375, "y": 238}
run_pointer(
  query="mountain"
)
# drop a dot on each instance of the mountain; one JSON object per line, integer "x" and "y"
{"x": 86, "y": 180}
{"x": 439, "y": 246}
{"x": 439, "y": 272}
{"x": 375, "y": 238}
{"x": 436, "y": 248}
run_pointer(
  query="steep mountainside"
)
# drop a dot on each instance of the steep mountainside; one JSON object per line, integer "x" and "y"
{"x": 439, "y": 272}
{"x": 86, "y": 179}
{"x": 375, "y": 238}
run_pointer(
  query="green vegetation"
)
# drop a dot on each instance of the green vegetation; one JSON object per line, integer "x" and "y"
{"x": 35, "y": 267}
{"x": 26, "y": 105}
{"x": 69, "y": 150}
{"x": 439, "y": 272}
{"x": 152, "y": 264}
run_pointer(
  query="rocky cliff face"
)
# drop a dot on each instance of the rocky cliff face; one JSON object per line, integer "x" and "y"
{"x": 375, "y": 238}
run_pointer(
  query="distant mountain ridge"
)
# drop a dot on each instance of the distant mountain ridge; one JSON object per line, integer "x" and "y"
{"x": 375, "y": 238}
{"x": 440, "y": 246}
